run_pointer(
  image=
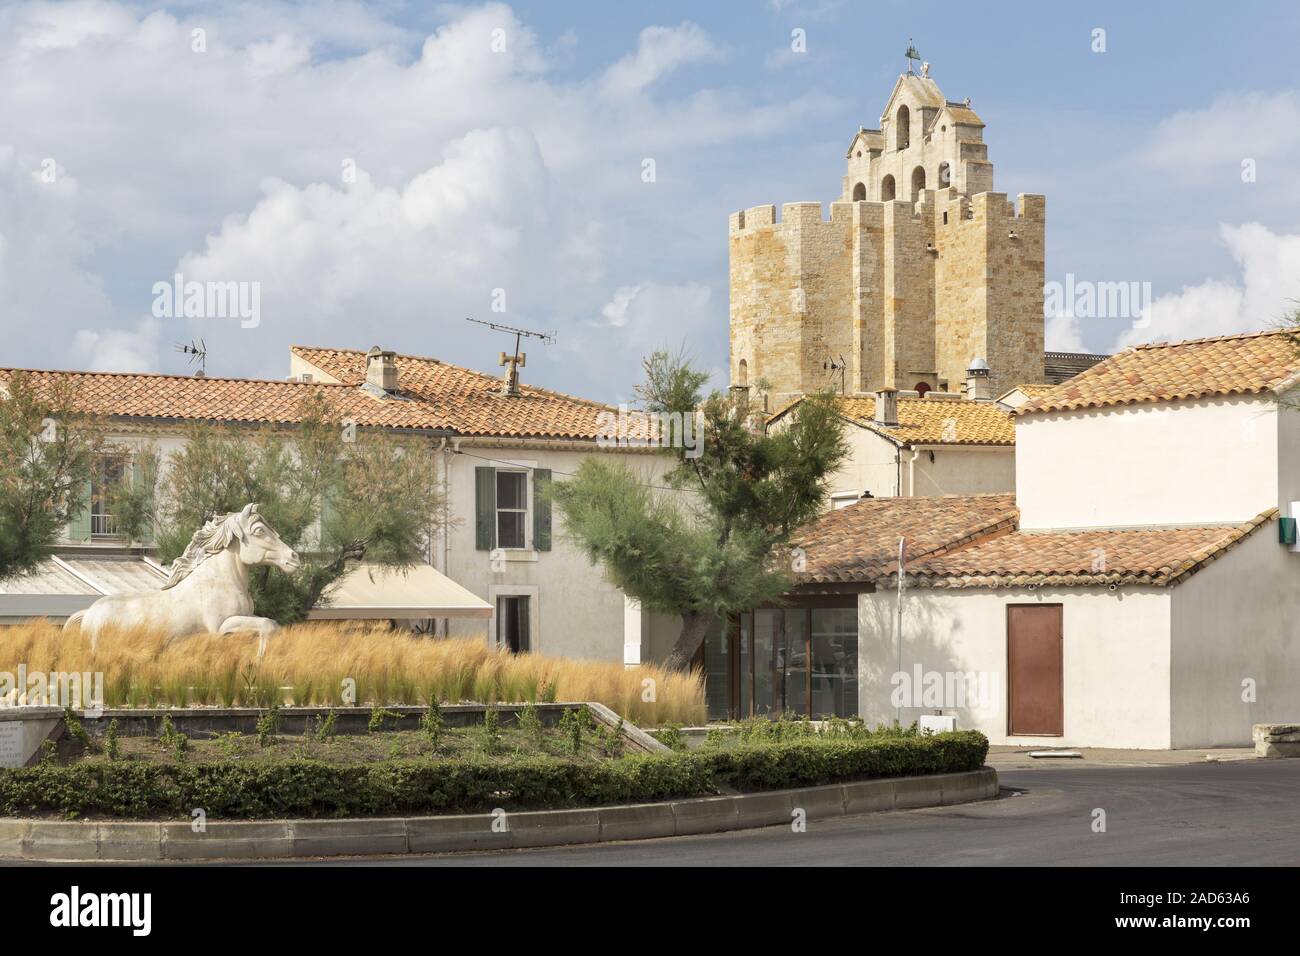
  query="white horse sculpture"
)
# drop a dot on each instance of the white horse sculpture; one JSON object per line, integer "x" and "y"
{"x": 208, "y": 586}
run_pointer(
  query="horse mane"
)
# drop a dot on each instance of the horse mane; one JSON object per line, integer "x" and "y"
{"x": 213, "y": 538}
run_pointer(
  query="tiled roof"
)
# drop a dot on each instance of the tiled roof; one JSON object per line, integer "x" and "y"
{"x": 1062, "y": 366}
{"x": 1035, "y": 389}
{"x": 932, "y": 421}
{"x": 1200, "y": 368}
{"x": 244, "y": 400}
{"x": 432, "y": 395}
{"x": 1150, "y": 556}
{"x": 470, "y": 402}
{"x": 860, "y": 542}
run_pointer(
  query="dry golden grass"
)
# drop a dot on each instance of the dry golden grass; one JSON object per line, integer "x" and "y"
{"x": 307, "y": 665}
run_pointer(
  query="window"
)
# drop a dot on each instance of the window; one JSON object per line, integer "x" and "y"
{"x": 945, "y": 174}
{"x": 512, "y": 509}
{"x": 512, "y": 624}
{"x": 887, "y": 189}
{"x": 109, "y": 474}
{"x": 790, "y": 660}
{"x": 859, "y": 192}
{"x": 921, "y": 388}
{"x": 903, "y": 131}
{"x": 918, "y": 182}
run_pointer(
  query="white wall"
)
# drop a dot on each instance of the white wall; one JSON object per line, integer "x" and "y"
{"x": 963, "y": 470}
{"x": 1115, "y": 658}
{"x": 575, "y": 611}
{"x": 1153, "y": 464}
{"x": 956, "y": 469}
{"x": 1235, "y": 620}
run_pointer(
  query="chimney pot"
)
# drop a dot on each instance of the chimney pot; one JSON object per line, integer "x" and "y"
{"x": 979, "y": 385}
{"x": 381, "y": 369}
{"x": 887, "y": 406}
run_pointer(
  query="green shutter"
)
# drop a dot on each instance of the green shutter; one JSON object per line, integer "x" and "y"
{"x": 541, "y": 509}
{"x": 328, "y": 514}
{"x": 485, "y": 508}
{"x": 79, "y": 526}
{"x": 137, "y": 482}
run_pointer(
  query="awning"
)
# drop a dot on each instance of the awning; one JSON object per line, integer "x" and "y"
{"x": 65, "y": 583}
{"x": 375, "y": 591}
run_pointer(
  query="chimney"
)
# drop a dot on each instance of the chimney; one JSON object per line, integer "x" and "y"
{"x": 512, "y": 363}
{"x": 887, "y": 406}
{"x": 381, "y": 369}
{"x": 979, "y": 387}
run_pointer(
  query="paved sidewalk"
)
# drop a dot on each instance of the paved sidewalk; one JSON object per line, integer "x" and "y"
{"x": 1017, "y": 758}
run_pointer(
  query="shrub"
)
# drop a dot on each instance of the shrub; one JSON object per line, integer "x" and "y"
{"x": 431, "y": 724}
{"x": 232, "y": 789}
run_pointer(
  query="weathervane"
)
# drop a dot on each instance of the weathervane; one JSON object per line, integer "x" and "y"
{"x": 519, "y": 359}
{"x": 913, "y": 56}
{"x": 198, "y": 352}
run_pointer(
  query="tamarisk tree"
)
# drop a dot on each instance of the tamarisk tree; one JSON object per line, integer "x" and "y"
{"x": 333, "y": 493}
{"x": 47, "y": 451}
{"x": 711, "y": 538}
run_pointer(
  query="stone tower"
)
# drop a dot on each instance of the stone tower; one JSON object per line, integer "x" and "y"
{"x": 919, "y": 269}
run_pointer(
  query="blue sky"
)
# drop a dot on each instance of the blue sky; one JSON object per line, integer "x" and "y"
{"x": 515, "y": 175}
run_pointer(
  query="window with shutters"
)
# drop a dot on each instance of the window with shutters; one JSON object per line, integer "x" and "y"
{"x": 512, "y": 509}
{"x": 109, "y": 473}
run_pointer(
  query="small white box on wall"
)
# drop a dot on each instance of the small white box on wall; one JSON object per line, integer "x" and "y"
{"x": 936, "y": 723}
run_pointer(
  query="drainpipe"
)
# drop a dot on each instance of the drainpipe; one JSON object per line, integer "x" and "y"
{"x": 911, "y": 473}
{"x": 446, "y": 523}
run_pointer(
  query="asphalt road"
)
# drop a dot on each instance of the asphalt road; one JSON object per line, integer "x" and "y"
{"x": 1217, "y": 814}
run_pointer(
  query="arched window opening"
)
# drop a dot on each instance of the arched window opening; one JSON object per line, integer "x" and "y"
{"x": 903, "y": 128}
{"x": 918, "y": 182}
{"x": 742, "y": 374}
{"x": 887, "y": 189}
{"x": 859, "y": 192}
{"x": 921, "y": 388}
{"x": 945, "y": 175}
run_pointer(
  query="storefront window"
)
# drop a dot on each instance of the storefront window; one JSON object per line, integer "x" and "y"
{"x": 796, "y": 661}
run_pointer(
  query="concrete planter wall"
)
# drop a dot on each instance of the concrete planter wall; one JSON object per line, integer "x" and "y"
{"x": 275, "y": 839}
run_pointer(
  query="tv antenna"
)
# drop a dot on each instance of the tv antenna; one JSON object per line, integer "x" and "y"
{"x": 831, "y": 366}
{"x": 198, "y": 352}
{"x": 516, "y": 360}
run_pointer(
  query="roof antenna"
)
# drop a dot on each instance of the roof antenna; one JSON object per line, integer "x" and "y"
{"x": 197, "y": 353}
{"x": 518, "y": 360}
{"x": 830, "y": 366}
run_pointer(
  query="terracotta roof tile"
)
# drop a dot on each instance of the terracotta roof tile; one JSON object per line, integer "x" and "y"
{"x": 244, "y": 400}
{"x": 1199, "y": 368}
{"x": 469, "y": 401}
{"x": 432, "y": 395}
{"x": 860, "y": 542}
{"x": 931, "y": 421}
{"x": 1150, "y": 556}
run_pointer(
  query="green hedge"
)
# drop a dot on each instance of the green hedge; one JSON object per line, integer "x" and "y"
{"x": 306, "y": 788}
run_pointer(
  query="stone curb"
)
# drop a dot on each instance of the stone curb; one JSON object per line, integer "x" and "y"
{"x": 288, "y": 839}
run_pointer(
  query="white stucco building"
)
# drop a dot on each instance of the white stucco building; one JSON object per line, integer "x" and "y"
{"x": 906, "y": 444}
{"x": 1136, "y": 591}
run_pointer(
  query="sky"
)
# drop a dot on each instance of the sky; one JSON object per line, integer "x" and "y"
{"x": 360, "y": 174}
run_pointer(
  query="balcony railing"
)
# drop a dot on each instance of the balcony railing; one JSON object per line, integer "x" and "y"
{"x": 104, "y": 526}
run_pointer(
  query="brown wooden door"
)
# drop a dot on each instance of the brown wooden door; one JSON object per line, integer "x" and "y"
{"x": 1035, "y": 699}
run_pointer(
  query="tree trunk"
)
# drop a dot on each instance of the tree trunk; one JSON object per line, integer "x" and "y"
{"x": 694, "y": 626}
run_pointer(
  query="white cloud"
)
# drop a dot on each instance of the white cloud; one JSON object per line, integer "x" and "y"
{"x": 1262, "y": 294}
{"x": 660, "y": 50}
{"x": 118, "y": 350}
{"x": 479, "y": 170}
{"x": 1208, "y": 145}
{"x": 1062, "y": 334}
